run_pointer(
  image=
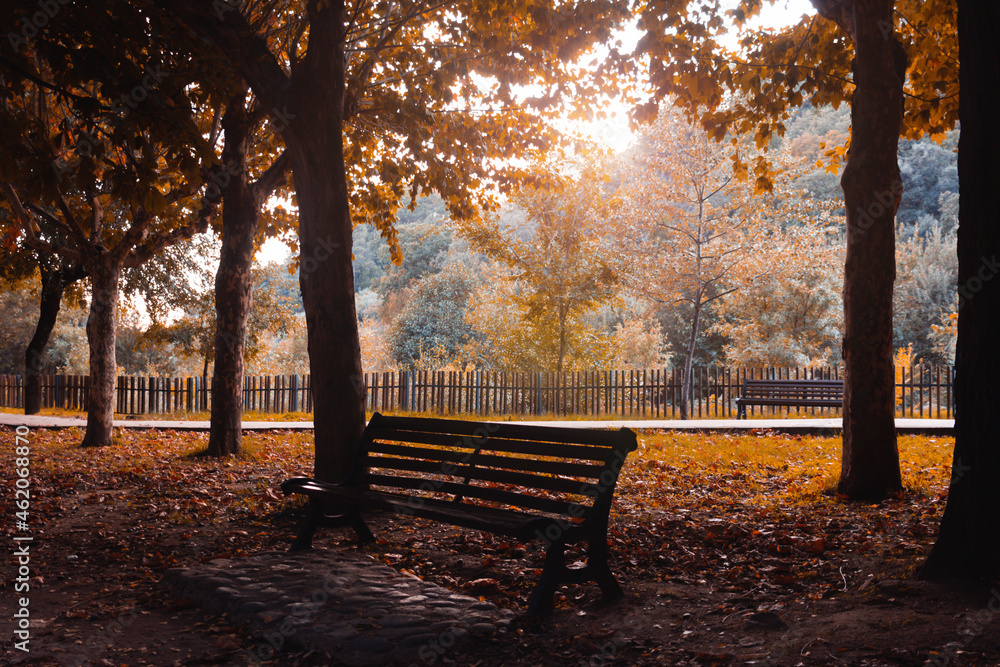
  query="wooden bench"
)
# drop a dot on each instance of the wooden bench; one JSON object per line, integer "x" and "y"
{"x": 793, "y": 393}
{"x": 526, "y": 482}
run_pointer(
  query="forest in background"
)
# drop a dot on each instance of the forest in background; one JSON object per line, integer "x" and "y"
{"x": 460, "y": 300}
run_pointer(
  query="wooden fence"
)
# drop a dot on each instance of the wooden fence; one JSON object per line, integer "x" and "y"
{"x": 921, "y": 391}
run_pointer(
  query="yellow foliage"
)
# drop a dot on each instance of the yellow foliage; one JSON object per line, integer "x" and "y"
{"x": 772, "y": 72}
{"x": 514, "y": 339}
{"x": 903, "y": 362}
{"x": 808, "y": 467}
{"x": 376, "y": 353}
{"x": 551, "y": 279}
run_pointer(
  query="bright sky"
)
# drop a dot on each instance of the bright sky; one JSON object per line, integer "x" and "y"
{"x": 614, "y": 130}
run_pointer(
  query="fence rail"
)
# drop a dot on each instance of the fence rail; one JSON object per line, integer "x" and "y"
{"x": 921, "y": 391}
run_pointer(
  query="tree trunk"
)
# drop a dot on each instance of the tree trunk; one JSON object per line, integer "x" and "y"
{"x": 314, "y": 140}
{"x": 872, "y": 187}
{"x": 686, "y": 383}
{"x": 562, "y": 342}
{"x": 233, "y": 284}
{"x": 102, "y": 324}
{"x": 327, "y": 284}
{"x": 48, "y": 311}
{"x": 968, "y": 546}
{"x": 308, "y": 110}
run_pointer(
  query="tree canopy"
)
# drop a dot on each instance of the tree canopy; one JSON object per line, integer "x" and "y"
{"x": 898, "y": 68}
{"x": 108, "y": 144}
{"x": 559, "y": 266}
{"x": 337, "y": 78}
{"x": 771, "y": 73}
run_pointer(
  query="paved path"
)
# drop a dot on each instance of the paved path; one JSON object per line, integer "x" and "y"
{"x": 803, "y": 426}
{"x": 355, "y": 611}
{"x": 50, "y": 421}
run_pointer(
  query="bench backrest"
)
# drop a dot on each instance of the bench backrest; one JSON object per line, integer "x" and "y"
{"x": 566, "y": 472}
{"x": 794, "y": 389}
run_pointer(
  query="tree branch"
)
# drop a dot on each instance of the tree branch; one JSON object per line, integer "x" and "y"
{"x": 140, "y": 254}
{"x": 233, "y": 35}
{"x": 27, "y": 222}
{"x": 32, "y": 231}
{"x": 275, "y": 176}
{"x": 840, "y": 12}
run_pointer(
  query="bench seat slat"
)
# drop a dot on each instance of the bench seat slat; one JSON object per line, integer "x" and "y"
{"x": 801, "y": 383}
{"x": 485, "y": 493}
{"x": 792, "y": 392}
{"x": 512, "y": 523}
{"x": 478, "y": 472}
{"x": 567, "y": 435}
{"x": 566, "y": 468}
{"x": 555, "y": 467}
{"x": 791, "y": 397}
{"x": 552, "y": 449}
{"x": 794, "y": 388}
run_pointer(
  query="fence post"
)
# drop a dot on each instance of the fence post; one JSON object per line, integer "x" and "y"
{"x": 404, "y": 377}
{"x": 926, "y": 391}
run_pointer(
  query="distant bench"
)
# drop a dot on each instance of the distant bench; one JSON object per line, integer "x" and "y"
{"x": 792, "y": 393}
{"x": 526, "y": 482}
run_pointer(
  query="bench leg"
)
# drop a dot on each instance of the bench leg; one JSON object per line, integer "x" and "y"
{"x": 597, "y": 565}
{"x": 303, "y": 541}
{"x": 552, "y": 575}
{"x": 360, "y": 527}
{"x": 316, "y": 517}
{"x": 556, "y": 572}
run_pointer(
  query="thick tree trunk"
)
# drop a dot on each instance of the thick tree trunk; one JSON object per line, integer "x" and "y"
{"x": 327, "y": 283}
{"x": 233, "y": 285}
{"x": 49, "y": 302}
{"x": 102, "y": 324}
{"x": 314, "y": 140}
{"x": 968, "y": 546}
{"x": 308, "y": 110}
{"x": 872, "y": 187}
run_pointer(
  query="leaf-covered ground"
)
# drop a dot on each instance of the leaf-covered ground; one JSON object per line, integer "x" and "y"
{"x": 732, "y": 550}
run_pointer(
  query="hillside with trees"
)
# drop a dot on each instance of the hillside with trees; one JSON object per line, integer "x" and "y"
{"x": 790, "y": 317}
{"x": 449, "y": 304}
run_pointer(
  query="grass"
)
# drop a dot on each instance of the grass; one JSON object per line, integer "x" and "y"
{"x": 804, "y": 467}
{"x": 809, "y": 465}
